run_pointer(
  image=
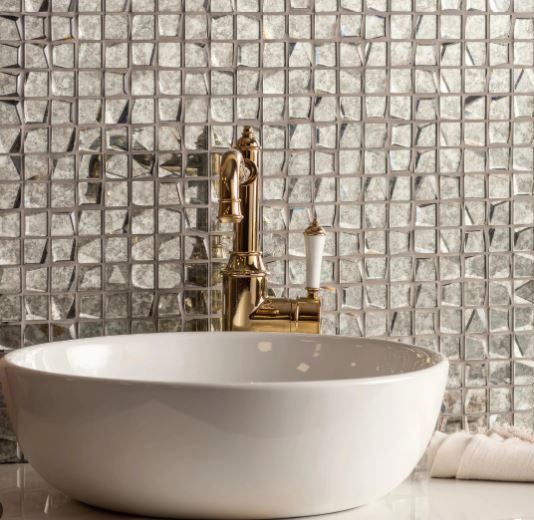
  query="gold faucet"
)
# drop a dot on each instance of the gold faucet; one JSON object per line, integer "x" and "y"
{"x": 246, "y": 303}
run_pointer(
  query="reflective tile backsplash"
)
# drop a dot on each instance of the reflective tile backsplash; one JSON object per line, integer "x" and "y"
{"x": 405, "y": 125}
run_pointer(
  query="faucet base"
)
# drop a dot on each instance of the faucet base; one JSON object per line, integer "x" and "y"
{"x": 244, "y": 287}
{"x": 246, "y": 307}
{"x": 283, "y": 315}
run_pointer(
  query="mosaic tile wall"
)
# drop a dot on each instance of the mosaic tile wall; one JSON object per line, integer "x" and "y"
{"x": 408, "y": 122}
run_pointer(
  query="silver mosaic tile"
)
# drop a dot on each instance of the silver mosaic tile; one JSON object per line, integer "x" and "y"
{"x": 407, "y": 127}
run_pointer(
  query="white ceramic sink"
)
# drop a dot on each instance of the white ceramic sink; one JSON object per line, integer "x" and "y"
{"x": 224, "y": 425}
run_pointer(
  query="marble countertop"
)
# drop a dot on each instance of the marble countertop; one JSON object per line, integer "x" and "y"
{"x": 25, "y": 495}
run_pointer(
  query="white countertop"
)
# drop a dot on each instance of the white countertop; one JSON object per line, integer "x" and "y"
{"x": 24, "y": 495}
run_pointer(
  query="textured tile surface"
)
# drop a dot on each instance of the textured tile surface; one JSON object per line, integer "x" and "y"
{"x": 405, "y": 125}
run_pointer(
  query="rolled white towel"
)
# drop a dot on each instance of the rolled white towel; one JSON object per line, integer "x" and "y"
{"x": 503, "y": 453}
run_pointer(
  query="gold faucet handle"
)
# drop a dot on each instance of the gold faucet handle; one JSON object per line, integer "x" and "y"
{"x": 314, "y": 241}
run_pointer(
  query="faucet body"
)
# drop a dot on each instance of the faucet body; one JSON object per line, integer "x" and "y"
{"x": 246, "y": 303}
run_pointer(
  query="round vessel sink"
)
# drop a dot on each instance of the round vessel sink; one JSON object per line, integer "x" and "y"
{"x": 224, "y": 425}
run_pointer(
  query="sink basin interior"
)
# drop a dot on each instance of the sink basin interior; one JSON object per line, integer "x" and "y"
{"x": 225, "y": 358}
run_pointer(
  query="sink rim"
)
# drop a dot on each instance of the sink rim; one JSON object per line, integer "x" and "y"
{"x": 11, "y": 360}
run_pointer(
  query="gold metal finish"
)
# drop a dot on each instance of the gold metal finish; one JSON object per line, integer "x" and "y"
{"x": 230, "y": 174}
{"x": 246, "y": 304}
{"x": 313, "y": 294}
{"x": 314, "y": 229}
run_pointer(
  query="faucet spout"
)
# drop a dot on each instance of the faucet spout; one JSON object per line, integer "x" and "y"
{"x": 230, "y": 175}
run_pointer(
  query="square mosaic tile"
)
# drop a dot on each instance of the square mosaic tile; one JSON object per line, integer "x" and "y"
{"x": 407, "y": 126}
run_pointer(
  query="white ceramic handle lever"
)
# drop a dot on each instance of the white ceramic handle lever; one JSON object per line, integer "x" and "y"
{"x": 314, "y": 239}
